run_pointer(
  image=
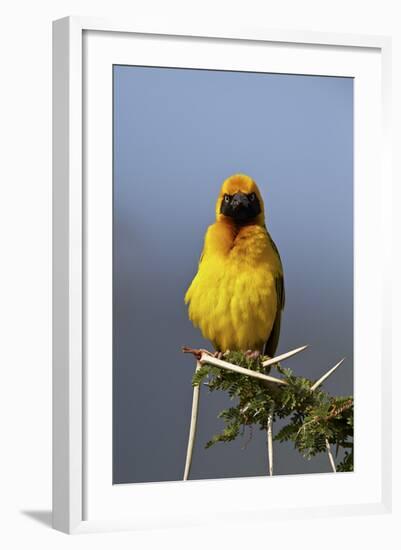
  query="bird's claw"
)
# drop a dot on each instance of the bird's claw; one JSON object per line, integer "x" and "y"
{"x": 252, "y": 354}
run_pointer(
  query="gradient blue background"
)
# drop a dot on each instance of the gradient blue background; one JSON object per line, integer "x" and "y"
{"x": 178, "y": 133}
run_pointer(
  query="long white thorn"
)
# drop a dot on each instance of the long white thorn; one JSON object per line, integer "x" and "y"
{"x": 270, "y": 443}
{"x": 192, "y": 428}
{"x": 208, "y": 360}
{"x": 330, "y": 455}
{"x": 283, "y": 356}
{"x": 325, "y": 376}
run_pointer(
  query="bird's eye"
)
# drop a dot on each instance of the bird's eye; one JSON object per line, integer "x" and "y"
{"x": 252, "y": 196}
{"x": 227, "y": 198}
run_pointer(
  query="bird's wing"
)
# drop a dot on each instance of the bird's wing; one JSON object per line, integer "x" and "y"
{"x": 272, "y": 342}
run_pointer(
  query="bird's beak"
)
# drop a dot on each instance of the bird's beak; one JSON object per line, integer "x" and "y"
{"x": 239, "y": 200}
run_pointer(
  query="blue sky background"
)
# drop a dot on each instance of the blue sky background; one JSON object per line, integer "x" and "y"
{"x": 178, "y": 133}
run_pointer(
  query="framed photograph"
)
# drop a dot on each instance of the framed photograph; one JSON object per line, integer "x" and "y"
{"x": 222, "y": 194}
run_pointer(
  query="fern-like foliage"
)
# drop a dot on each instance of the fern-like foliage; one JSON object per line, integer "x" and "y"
{"x": 312, "y": 416}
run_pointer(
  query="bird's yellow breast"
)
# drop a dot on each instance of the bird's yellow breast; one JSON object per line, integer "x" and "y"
{"x": 232, "y": 298}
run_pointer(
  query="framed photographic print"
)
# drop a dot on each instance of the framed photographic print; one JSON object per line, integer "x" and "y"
{"x": 220, "y": 194}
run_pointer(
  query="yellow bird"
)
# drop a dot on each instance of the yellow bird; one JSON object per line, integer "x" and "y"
{"x": 237, "y": 295}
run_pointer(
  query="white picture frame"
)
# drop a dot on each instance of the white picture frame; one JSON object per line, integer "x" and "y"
{"x": 83, "y": 496}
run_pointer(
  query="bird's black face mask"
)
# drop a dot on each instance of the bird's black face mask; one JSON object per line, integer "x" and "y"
{"x": 241, "y": 207}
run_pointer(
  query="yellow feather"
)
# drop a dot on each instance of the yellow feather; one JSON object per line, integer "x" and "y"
{"x": 232, "y": 298}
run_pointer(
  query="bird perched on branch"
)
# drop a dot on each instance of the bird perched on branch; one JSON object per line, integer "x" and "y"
{"x": 237, "y": 295}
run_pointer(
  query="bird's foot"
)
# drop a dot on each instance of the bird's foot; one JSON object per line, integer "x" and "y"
{"x": 197, "y": 352}
{"x": 252, "y": 354}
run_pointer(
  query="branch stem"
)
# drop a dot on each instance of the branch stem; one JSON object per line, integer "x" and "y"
{"x": 313, "y": 388}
